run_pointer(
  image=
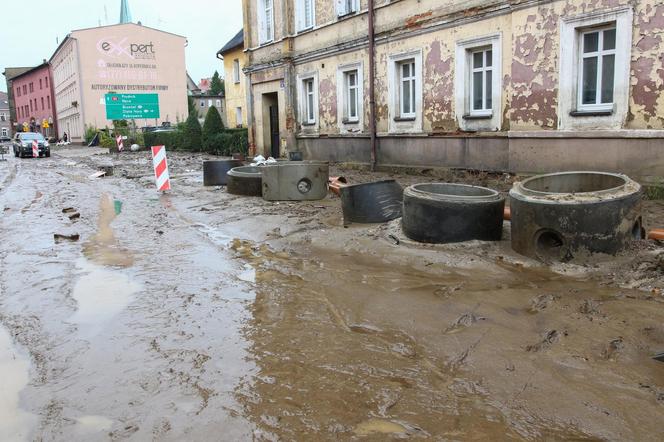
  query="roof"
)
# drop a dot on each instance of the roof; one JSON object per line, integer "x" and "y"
{"x": 233, "y": 43}
{"x": 11, "y": 73}
{"x": 29, "y": 70}
{"x": 127, "y": 24}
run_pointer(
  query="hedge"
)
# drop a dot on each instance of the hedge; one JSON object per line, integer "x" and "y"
{"x": 225, "y": 143}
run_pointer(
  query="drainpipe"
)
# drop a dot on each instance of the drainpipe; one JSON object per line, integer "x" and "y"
{"x": 372, "y": 97}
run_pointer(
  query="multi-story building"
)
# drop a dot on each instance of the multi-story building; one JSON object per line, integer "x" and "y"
{"x": 10, "y": 73}
{"x": 33, "y": 100}
{"x": 5, "y": 125}
{"x": 236, "y": 97}
{"x": 204, "y": 102}
{"x": 517, "y": 85}
{"x": 126, "y": 59}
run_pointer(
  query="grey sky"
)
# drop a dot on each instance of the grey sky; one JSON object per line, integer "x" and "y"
{"x": 208, "y": 24}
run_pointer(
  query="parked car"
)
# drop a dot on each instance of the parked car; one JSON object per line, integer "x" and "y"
{"x": 22, "y": 144}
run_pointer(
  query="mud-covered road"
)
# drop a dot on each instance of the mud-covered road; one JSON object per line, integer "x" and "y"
{"x": 198, "y": 315}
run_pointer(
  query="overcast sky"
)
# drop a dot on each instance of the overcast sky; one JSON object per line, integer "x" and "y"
{"x": 29, "y": 35}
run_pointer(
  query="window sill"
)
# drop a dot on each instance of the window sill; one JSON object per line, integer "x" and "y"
{"x": 477, "y": 117}
{"x": 402, "y": 119}
{"x": 591, "y": 113}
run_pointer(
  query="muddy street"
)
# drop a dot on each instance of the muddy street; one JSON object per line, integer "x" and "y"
{"x": 199, "y": 315}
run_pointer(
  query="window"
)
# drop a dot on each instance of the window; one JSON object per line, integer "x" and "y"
{"x": 405, "y": 92}
{"x": 236, "y": 71}
{"x": 209, "y": 103}
{"x": 407, "y": 80}
{"x": 32, "y": 89}
{"x": 30, "y": 105}
{"x": 3, "y": 117}
{"x": 4, "y": 132}
{"x": 477, "y": 87}
{"x": 42, "y": 103}
{"x": 350, "y": 97}
{"x": 594, "y": 75}
{"x": 238, "y": 116}
{"x": 305, "y": 14}
{"x": 345, "y": 7}
{"x": 40, "y": 83}
{"x": 597, "y": 69}
{"x": 18, "y": 91}
{"x": 46, "y": 81}
{"x": 265, "y": 21}
{"x": 25, "y": 89}
{"x": 218, "y": 103}
{"x": 48, "y": 101}
{"x": 308, "y": 101}
{"x": 202, "y": 103}
{"x": 481, "y": 81}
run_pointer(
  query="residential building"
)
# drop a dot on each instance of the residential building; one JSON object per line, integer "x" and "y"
{"x": 192, "y": 87}
{"x": 5, "y": 125}
{"x": 204, "y": 102}
{"x": 33, "y": 100}
{"x": 236, "y": 98}
{"x": 204, "y": 85}
{"x": 509, "y": 85}
{"x": 126, "y": 59}
{"x": 10, "y": 73}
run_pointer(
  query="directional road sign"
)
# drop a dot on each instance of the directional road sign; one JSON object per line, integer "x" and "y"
{"x": 131, "y": 106}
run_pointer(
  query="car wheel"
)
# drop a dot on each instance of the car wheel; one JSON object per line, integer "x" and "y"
{"x": 15, "y": 153}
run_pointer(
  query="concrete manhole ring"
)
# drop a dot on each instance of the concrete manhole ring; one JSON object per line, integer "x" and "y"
{"x": 562, "y": 216}
{"x": 215, "y": 171}
{"x": 447, "y": 213}
{"x": 245, "y": 180}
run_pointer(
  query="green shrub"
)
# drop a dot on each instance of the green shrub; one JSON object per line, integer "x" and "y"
{"x": 90, "y": 132}
{"x": 172, "y": 140}
{"x": 192, "y": 134}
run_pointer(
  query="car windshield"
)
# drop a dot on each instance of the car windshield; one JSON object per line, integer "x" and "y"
{"x": 32, "y": 136}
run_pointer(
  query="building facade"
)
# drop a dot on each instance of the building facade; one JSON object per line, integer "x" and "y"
{"x": 126, "y": 59}
{"x": 33, "y": 101}
{"x": 236, "y": 98}
{"x": 9, "y": 74}
{"x": 509, "y": 85}
{"x": 5, "y": 124}
{"x": 204, "y": 102}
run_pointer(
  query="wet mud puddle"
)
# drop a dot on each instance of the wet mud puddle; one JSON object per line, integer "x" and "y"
{"x": 15, "y": 423}
{"x": 103, "y": 290}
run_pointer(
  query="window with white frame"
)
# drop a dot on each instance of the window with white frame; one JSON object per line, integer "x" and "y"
{"x": 218, "y": 103}
{"x": 4, "y": 132}
{"x": 265, "y": 21}
{"x": 477, "y": 83}
{"x": 305, "y": 11}
{"x": 238, "y": 116}
{"x": 407, "y": 82}
{"x": 209, "y": 103}
{"x": 236, "y": 71}
{"x": 3, "y": 117}
{"x": 346, "y": 7}
{"x": 481, "y": 81}
{"x": 309, "y": 95}
{"x": 351, "y": 96}
{"x": 595, "y": 61}
{"x": 596, "y": 69}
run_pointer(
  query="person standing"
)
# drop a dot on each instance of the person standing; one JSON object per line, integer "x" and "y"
{"x": 65, "y": 137}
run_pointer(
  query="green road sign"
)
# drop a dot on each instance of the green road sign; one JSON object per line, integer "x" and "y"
{"x": 132, "y": 106}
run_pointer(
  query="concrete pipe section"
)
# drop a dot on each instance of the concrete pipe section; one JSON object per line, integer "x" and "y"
{"x": 447, "y": 213}
{"x": 563, "y": 216}
{"x": 245, "y": 180}
{"x": 295, "y": 181}
{"x": 376, "y": 202}
{"x": 214, "y": 171}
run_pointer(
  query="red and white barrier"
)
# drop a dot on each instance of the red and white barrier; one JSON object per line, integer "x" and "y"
{"x": 160, "y": 168}
{"x": 35, "y": 149}
{"x": 118, "y": 141}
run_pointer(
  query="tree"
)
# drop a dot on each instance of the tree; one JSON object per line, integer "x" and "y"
{"x": 213, "y": 124}
{"x": 191, "y": 105}
{"x": 192, "y": 133}
{"x": 216, "y": 85}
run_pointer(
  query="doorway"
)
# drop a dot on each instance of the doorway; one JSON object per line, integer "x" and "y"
{"x": 271, "y": 131}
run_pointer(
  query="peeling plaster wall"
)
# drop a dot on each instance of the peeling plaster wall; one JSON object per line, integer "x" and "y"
{"x": 530, "y": 33}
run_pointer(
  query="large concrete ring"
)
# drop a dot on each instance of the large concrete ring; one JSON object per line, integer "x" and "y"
{"x": 376, "y": 202}
{"x": 295, "y": 181}
{"x": 245, "y": 180}
{"x": 214, "y": 171}
{"x": 570, "y": 215}
{"x": 447, "y": 213}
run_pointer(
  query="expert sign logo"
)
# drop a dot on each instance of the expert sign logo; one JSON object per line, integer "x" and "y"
{"x": 116, "y": 47}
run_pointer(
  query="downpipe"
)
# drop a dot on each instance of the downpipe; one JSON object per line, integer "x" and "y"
{"x": 372, "y": 97}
